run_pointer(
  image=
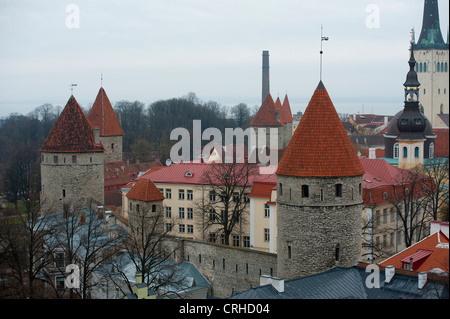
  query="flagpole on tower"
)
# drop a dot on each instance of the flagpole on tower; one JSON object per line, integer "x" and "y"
{"x": 322, "y": 38}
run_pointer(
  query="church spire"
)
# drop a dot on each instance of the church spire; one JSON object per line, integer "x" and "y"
{"x": 412, "y": 122}
{"x": 431, "y": 36}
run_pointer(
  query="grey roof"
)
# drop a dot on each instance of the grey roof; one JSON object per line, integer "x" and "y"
{"x": 345, "y": 283}
{"x": 444, "y": 118}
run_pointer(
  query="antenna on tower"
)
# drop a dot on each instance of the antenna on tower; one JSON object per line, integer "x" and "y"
{"x": 322, "y": 38}
{"x": 71, "y": 88}
{"x": 101, "y": 79}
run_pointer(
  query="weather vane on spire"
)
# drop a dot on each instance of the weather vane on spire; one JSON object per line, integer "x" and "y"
{"x": 322, "y": 38}
{"x": 71, "y": 88}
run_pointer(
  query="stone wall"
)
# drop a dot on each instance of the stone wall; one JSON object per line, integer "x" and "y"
{"x": 320, "y": 231}
{"x": 227, "y": 268}
{"x": 113, "y": 148}
{"x": 72, "y": 178}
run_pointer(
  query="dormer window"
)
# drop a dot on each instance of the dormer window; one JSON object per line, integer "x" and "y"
{"x": 188, "y": 174}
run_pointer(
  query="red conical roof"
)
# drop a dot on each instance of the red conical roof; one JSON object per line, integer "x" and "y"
{"x": 320, "y": 146}
{"x": 267, "y": 114}
{"x": 102, "y": 115}
{"x": 144, "y": 190}
{"x": 72, "y": 132}
{"x": 287, "y": 108}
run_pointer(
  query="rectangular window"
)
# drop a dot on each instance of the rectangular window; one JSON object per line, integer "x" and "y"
{"x": 246, "y": 199}
{"x": 55, "y": 159}
{"x": 212, "y": 214}
{"x": 384, "y": 241}
{"x": 391, "y": 212}
{"x": 190, "y": 229}
{"x": 236, "y": 240}
{"x": 305, "y": 191}
{"x": 212, "y": 196}
{"x": 190, "y": 195}
{"x": 181, "y": 194}
{"x": 59, "y": 260}
{"x": 236, "y": 197}
{"x": 153, "y": 208}
{"x": 168, "y": 212}
{"x": 168, "y": 193}
{"x": 60, "y": 282}
{"x": 246, "y": 241}
{"x": 289, "y": 252}
{"x": 338, "y": 190}
{"x": 181, "y": 212}
{"x": 63, "y": 193}
{"x": 74, "y": 158}
{"x": 266, "y": 234}
{"x": 190, "y": 214}
{"x": 266, "y": 211}
{"x": 168, "y": 227}
{"x": 181, "y": 228}
{"x": 385, "y": 213}
{"x": 377, "y": 218}
{"x": 212, "y": 237}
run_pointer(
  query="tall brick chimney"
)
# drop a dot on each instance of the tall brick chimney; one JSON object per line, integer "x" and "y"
{"x": 265, "y": 75}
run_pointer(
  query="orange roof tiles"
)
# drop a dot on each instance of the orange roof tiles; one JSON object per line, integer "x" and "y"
{"x": 320, "y": 147}
{"x": 72, "y": 132}
{"x": 144, "y": 190}
{"x": 262, "y": 190}
{"x": 102, "y": 115}
{"x": 267, "y": 114}
{"x": 427, "y": 254}
{"x": 287, "y": 110}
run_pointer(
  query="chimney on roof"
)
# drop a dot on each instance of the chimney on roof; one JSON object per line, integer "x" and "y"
{"x": 96, "y": 132}
{"x": 389, "y": 272}
{"x": 422, "y": 279}
{"x": 265, "y": 75}
{"x": 138, "y": 278}
{"x": 278, "y": 284}
{"x": 372, "y": 153}
{"x": 99, "y": 212}
{"x": 265, "y": 280}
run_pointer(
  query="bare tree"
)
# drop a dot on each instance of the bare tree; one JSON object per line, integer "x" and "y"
{"x": 145, "y": 248}
{"x": 227, "y": 201}
{"x": 411, "y": 206}
{"x": 22, "y": 240}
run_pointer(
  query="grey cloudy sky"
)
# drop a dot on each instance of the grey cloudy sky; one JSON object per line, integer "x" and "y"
{"x": 152, "y": 50}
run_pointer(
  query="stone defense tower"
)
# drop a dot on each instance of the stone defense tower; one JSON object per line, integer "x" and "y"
{"x": 432, "y": 56}
{"x": 72, "y": 158}
{"x": 102, "y": 115}
{"x": 319, "y": 185}
{"x": 265, "y": 75}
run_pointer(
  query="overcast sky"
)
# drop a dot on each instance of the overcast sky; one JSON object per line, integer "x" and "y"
{"x": 152, "y": 50}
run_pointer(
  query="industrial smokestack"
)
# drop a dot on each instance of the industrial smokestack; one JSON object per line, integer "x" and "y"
{"x": 265, "y": 75}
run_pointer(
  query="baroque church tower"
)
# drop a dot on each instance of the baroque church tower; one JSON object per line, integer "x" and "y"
{"x": 319, "y": 186}
{"x": 102, "y": 115}
{"x": 432, "y": 56}
{"x": 72, "y": 158}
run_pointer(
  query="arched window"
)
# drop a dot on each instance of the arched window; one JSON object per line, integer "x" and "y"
{"x": 424, "y": 67}
{"x": 442, "y": 108}
{"x": 405, "y": 152}
{"x": 431, "y": 155}
{"x": 281, "y": 189}
{"x": 416, "y": 152}
{"x": 442, "y": 66}
{"x": 396, "y": 150}
{"x": 420, "y": 67}
{"x": 446, "y": 67}
{"x": 438, "y": 67}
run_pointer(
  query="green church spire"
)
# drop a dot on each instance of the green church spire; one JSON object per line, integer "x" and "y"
{"x": 431, "y": 36}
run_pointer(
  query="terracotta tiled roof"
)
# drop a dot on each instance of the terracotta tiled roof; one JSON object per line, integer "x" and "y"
{"x": 72, "y": 132}
{"x": 262, "y": 190}
{"x": 320, "y": 147}
{"x": 427, "y": 254}
{"x": 267, "y": 114}
{"x": 102, "y": 115}
{"x": 144, "y": 190}
{"x": 287, "y": 110}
